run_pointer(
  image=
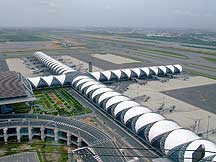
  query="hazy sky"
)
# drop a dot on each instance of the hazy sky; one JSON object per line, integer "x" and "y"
{"x": 111, "y": 13}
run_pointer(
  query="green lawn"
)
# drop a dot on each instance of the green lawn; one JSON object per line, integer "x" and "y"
{"x": 165, "y": 53}
{"x": 58, "y": 101}
{"x": 21, "y": 108}
{"x": 47, "y": 151}
{"x": 20, "y": 36}
{"x": 210, "y": 59}
{"x": 202, "y": 74}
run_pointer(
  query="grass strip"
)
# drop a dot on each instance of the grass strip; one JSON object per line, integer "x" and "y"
{"x": 209, "y": 59}
{"x": 202, "y": 74}
{"x": 165, "y": 53}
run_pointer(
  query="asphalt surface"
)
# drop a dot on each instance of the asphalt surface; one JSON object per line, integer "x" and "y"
{"x": 86, "y": 57}
{"x": 91, "y": 135}
{"x": 200, "y": 96}
{"x": 21, "y": 157}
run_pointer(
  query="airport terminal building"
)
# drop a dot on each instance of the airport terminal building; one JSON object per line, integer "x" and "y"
{"x": 163, "y": 135}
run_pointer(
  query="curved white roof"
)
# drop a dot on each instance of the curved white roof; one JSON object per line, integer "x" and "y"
{"x": 46, "y": 62}
{"x": 124, "y": 105}
{"x": 96, "y": 75}
{"x": 114, "y": 100}
{"x": 107, "y": 74}
{"x": 60, "y": 78}
{"x": 51, "y": 64}
{"x": 171, "y": 67}
{"x": 59, "y": 67}
{"x": 155, "y": 69}
{"x": 146, "y": 119}
{"x": 68, "y": 71}
{"x": 48, "y": 79}
{"x": 137, "y": 71}
{"x": 78, "y": 78}
{"x": 163, "y": 68}
{"x": 117, "y": 73}
{"x": 161, "y": 127}
{"x": 99, "y": 91}
{"x": 134, "y": 111}
{"x": 56, "y": 68}
{"x": 145, "y": 70}
{"x": 179, "y": 137}
{"x": 83, "y": 81}
{"x": 209, "y": 146}
{"x": 178, "y": 67}
{"x": 127, "y": 72}
{"x": 35, "y": 81}
{"x": 107, "y": 95}
{"x": 62, "y": 70}
{"x": 93, "y": 87}
{"x": 88, "y": 84}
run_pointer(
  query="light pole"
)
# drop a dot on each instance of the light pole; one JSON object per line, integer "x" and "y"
{"x": 208, "y": 127}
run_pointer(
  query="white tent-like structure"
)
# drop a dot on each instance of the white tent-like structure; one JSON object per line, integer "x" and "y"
{"x": 48, "y": 81}
{"x": 54, "y": 65}
{"x": 165, "y": 135}
{"x": 142, "y": 72}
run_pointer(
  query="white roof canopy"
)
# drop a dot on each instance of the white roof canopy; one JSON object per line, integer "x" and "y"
{"x": 117, "y": 73}
{"x": 107, "y": 95}
{"x": 83, "y": 81}
{"x": 79, "y": 78}
{"x": 154, "y": 69}
{"x": 35, "y": 81}
{"x": 48, "y": 79}
{"x": 146, "y": 119}
{"x": 96, "y": 75}
{"x": 210, "y": 147}
{"x": 136, "y": 71}
{"x": 145, "y": 70}
{"x": 179, "y": 67}
{"x": 93, "y": 87}
{"x": 60, "y": 78}
{"x": 114, "y": 100}
{"x": 127, "y": 72}
{"x": 171, "y": 67}
{"x": 134, "y": 111}
{"x": 161, "y": 127}
{"x": 89, "y": 83}
{"x": 179, "y": 137}
{"x": 162, "y": 68}
{"x": 107, "y": 74}
{"x": 124, "y": 105}
{"x": 99, "y": 91}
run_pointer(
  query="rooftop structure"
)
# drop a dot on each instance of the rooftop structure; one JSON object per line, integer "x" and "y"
{"x": 141, "y": 72}
{"x": 14, "y": 88}
{"x": 54, "y": 65}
